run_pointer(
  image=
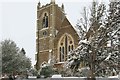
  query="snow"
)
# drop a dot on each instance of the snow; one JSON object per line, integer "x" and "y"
{"x": 50, "y": 50}
{"x": 109, "y": 44}
{"x": 102, "y": 26}
{"x": 71, "y": 62}
{"x": 113, "y": 76}
{"x": 60, "y": 63}
{"x": 115, "y": 32}
{"x": 108, "y": 56}
{"x": 74, "y": 57}
{"x": 71, "y": 77}
{"x": 50, "y": 34}
{"x": 57, "y": 76}
{"x": 44, "y": 28}
{"x": 85, "y": 68}
{"x": 44, "y": 65}
{"x": 84, "y": 41}
{"x": 31, "y": 76}
{"x": 49, "y": 61}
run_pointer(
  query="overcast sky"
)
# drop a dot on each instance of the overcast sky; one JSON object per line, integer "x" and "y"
{"x": 18, "y": 20}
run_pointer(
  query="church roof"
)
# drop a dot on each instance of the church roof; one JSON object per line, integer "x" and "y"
{"x": 66, "y": 22}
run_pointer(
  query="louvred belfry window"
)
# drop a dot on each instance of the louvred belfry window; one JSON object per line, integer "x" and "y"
{"x": 45, "y": 21}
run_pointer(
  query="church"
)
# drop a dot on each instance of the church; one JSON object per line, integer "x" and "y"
{"x": 55, "y": 36}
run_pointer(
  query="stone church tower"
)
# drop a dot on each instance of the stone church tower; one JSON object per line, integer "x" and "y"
{"x": 55, "y": 34}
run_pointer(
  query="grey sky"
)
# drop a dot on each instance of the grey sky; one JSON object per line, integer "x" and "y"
{"x": 18, "y": 20}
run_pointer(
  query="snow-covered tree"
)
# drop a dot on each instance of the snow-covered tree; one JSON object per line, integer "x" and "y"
{"x": 91, "y": 16}
{"x": 81, "y": 54}
{"x": 113, "y": 35}
{"x": 100, "y": 49}
{"x": 46, "y": 70}
{"x": 109, "y": 49}
{"x": 24, "y": 62}
{"x": 12, "y": 58}
{"x": 83, "y": 23}
{"x": 111, "y": 40}
{"x": 9, "y": 51}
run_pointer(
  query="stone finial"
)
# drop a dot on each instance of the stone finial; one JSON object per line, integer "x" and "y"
{"x": 39, "y": 4}
{"x": 62, "y": 6}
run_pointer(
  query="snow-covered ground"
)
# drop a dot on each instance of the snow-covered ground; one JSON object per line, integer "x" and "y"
{"x": 31, "y": 76}
{"x": 56, "y": 76}
{"x": 113, "y": 76}
{"x": 82, "y": 78}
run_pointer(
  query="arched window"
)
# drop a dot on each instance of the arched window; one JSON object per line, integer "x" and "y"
{"x": 45, "y": 21}
{"x": 66, "y": 44}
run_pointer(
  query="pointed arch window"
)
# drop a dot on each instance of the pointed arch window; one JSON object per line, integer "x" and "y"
{"x": 66, "y": 44}
{"x": 45, "y": 21}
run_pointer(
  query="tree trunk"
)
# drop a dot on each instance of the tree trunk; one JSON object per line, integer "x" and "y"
{"x": 92, "y": 67}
